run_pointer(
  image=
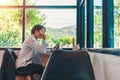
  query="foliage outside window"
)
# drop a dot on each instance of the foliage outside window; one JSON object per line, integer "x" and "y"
{"x": 98, "y": 24}
{"x": 117, "y": 23}
{"x": 10, "y": 29}
{"x": 98, "y": 28}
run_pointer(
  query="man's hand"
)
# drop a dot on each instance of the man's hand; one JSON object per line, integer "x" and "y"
{"x": 55, "y": 47}
{"x": 43, "y": 36}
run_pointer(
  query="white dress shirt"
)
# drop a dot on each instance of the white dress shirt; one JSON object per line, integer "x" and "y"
{"x": 31, "y": 52}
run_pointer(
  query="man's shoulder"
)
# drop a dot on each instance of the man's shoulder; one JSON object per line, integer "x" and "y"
{"x": 29, "y": 39}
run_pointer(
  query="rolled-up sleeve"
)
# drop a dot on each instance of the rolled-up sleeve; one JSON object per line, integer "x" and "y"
{"x": 41, "y": 48}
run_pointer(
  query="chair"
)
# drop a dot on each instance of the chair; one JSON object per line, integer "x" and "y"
{"x": 7, "y": 70}
{"x": 12, "y": 53}
{"x": 68, "y": 65}
{"x": 19, "y": 75}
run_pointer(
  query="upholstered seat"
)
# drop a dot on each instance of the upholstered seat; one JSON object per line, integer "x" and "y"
{"x": 68, "y": 65}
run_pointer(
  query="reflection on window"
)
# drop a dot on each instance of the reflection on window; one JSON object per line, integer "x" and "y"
{"x": 10, "y": 27}
{"x": 60, "y": 24}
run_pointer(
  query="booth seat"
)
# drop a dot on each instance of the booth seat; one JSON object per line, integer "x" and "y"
{"x": 112, "y": 51}
{"x": 68, "y": 65}
{"x": 105, "y": 62}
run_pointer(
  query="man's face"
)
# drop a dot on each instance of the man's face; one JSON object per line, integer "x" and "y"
{"x": 40, "y": 33}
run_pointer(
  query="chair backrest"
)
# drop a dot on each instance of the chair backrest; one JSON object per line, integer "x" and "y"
{"x": 68, "y": 65}
{"x": 12, "y": 53}
{"x": 8, "y": 66}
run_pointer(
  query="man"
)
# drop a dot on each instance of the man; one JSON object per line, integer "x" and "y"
{"x": 30, "y": 48}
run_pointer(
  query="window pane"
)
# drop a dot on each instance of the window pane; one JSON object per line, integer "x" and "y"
{"x": 11, "y": 2}
{"x": 10, "y": 27}
{"x": 51, "y": 2}
{"x": 117, "y": 23}
{"x": 98, "y": 23}
{"x": 60, "y": 24}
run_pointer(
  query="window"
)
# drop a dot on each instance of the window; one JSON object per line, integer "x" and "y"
{"x": 60, "y": 24}
{"x": 51, "y": 2}
{"x": 10, "y": 2}
{"x": 97, "y": 23}
{"x": 117, "y": 23}
{"x": 59, "y": 18}
{"x": 10, "y": 27}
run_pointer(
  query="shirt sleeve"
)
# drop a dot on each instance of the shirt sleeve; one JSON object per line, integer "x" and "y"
{"x": 41, "y": 48}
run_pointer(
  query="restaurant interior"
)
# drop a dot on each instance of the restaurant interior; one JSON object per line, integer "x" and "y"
{"x": 85, "y": 33}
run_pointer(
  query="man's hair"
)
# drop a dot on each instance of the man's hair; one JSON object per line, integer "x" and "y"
{"x": 37, "y": 27}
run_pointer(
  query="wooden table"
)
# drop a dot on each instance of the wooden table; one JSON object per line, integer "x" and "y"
{"x": 45, "y": 59}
